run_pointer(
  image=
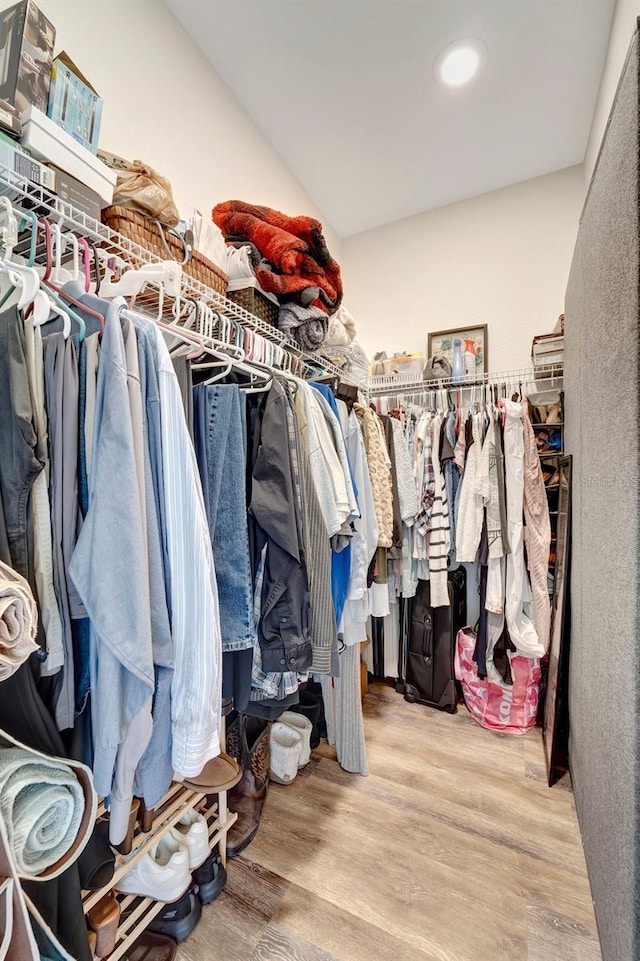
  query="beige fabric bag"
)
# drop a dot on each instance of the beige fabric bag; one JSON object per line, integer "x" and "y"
{"x": 140, "y": 187}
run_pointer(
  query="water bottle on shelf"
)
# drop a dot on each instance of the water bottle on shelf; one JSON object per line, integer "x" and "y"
{"x": 457, "y": 364}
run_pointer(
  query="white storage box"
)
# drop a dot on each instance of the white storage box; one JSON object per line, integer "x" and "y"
{"x": 13, "y": 158}
{"x": 547, "y": 349}
{"x": 49, "y": 142}
{"x": 404, "y": 364}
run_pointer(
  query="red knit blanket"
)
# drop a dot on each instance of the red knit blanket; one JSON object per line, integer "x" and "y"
{"x": 294, "y": 247}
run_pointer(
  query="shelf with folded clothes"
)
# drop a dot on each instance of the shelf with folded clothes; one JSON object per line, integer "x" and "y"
{"x": 28, "y": 196}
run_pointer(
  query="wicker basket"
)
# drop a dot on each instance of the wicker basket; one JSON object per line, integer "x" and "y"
{"x": 256, "y": 303}
{"x": 146, "y": 232}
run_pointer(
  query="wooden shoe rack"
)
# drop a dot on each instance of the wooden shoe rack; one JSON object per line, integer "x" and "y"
{"x": 136, "y": 913}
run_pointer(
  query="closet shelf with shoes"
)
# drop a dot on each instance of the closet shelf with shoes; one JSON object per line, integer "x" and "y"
{"x": 137, "y": 911}
{"x": 29, "y": 196}
{"x": 175, "y": 803}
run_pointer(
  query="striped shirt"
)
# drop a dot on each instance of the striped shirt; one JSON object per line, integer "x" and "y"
{"x": 196, "y": 689}
{"x": 439, "y": 535}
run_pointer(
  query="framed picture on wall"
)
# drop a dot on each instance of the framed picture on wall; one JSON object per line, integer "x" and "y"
{"x": 474, "y": 341}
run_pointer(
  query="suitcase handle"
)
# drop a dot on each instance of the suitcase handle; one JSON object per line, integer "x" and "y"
{"x": 426, "y": 629}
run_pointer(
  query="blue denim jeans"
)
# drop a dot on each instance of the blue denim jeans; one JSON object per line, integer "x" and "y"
{"x": 220, "y": 444}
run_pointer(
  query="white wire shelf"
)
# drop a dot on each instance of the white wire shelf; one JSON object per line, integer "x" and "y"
{"x": 25, "y": 195}
{"x": 414, "y": 383}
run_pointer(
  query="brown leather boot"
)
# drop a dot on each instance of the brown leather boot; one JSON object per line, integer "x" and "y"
{"x": 248, "y": 742}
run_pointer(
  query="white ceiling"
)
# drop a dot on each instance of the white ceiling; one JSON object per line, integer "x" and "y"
{"x": 344, "y": 90}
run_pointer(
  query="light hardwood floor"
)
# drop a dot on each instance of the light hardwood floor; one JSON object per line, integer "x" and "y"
{"x": 453, "y": 849}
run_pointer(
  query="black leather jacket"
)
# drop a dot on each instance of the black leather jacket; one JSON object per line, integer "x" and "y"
{"x": 283, "y": 631}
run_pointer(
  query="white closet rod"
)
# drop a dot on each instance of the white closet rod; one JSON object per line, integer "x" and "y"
{"x": 391, "y": 384}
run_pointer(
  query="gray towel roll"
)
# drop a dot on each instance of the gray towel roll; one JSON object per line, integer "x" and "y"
{"x": 42, "y": 804}
{"x": 306, "y": 325}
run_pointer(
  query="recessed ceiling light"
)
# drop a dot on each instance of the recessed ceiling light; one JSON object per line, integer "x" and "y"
{"x": 460, "y": 62}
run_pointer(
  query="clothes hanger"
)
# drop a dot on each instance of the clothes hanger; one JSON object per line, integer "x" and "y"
{"x": 41, "y": 314}
{"x": 20, "y": 275}
{"x": 86, "y": 262}
{"x": 63, "y": 295}
{"x": 43, "y": 303}
{"x": 183, "y": 313}
{"x": 187, "y": 336}
{"x": 9, "y": 228}
{"x": 166, "y": 274}
{"x": 76, "y": 276}
{"x": 59, "y": 275}
{"x": 96, "y": 268}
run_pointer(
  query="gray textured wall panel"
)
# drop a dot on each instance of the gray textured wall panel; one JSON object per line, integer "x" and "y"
{"x": 602, "y": 414}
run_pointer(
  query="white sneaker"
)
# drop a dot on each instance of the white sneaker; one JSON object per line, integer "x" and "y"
{"x": 304, "y": 727}
{"x": 162, "y": 874}
{"x": 285, "y": 745}
{"x": 192, "y": 831}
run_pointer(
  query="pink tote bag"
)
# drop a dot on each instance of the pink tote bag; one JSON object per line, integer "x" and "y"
{"x": 510, "y": 708}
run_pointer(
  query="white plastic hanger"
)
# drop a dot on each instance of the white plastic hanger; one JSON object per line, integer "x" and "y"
{"x": 9, "y": 226}
{"x": 42, "y": 307}
{"x": 59, "y": 275}
{"x": 76, "y": 274}
{"x": 167, "y": 275}
{"x": 20, "y": 276}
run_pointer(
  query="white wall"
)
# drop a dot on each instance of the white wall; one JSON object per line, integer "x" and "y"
{"x": 165, "y": 104}
{"x": 622, "y": 29}
{"x": 500, "y": 259}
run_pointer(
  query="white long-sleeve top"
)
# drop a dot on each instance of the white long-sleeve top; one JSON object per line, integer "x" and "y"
{"x": 469, "y": 516}
{"x": 196, "y": 689}
{"x": 326, "y": 471}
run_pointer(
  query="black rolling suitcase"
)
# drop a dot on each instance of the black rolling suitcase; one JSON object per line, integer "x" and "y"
{"x": 430, "y": 676}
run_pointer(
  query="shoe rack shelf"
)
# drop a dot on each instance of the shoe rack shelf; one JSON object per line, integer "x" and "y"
{"x": 136, "y": 913}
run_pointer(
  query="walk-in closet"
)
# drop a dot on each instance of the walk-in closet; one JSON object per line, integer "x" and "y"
{"x": 318, "y": 480}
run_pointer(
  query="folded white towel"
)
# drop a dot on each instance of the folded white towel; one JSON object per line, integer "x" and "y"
{"x": 41, "y": 804}
{"x": 342, "y": 328}
{"x": 18, "y": 621}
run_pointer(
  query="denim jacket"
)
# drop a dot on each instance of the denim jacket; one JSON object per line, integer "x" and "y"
{"x": 283, "y": 630}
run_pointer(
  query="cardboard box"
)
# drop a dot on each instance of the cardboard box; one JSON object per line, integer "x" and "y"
{"x": 73, "y": 103}
{"x": 77, "y": 194}
{"x": 26, "y": 55}
{"x": 50, "y": 143}
{"x": 17, "y": 160}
